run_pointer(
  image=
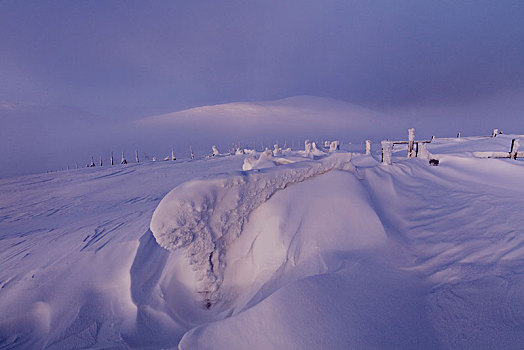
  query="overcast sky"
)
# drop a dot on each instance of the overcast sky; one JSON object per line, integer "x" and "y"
{"x": 169, "y": 55}
{"x": 126, "y": 59}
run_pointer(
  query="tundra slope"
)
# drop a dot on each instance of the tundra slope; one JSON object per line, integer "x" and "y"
{"x": 406, "y": 256}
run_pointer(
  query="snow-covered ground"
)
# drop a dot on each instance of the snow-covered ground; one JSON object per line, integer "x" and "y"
{"x": 301, "y": 251}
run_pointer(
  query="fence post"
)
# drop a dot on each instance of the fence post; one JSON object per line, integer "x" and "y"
{"x": 411, "y": 142}
{"x": 495, "y": 133}
{"x": 515, "y": 143}
{"x": 112, "y": 161}
{"x": 387, "y": 149}
{"x": 123, "y": 161}
{"x": 368, "y": 147}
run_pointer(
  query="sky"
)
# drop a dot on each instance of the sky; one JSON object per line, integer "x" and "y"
{"x": 79, "y": 65}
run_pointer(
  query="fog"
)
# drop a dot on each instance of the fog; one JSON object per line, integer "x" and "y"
{"x": 75, "y": 75}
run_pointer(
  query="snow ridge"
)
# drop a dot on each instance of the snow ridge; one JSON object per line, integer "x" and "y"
{"x": 203, "y": 217}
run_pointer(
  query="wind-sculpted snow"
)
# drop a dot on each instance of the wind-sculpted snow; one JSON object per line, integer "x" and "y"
{"x": 203, "y": 217}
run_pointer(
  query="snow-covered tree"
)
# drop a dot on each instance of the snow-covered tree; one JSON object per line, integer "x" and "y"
{"x": 276, "y": 150}
{"x": 334, "y": 146}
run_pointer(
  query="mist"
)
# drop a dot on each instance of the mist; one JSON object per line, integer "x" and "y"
{"x": 77, "y": 75}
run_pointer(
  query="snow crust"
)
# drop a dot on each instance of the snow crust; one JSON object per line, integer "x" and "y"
{"x": 371, "y": 256}
{"x": 204, "y": 217}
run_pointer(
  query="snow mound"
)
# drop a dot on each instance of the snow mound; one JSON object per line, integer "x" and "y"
{"x": 204, "y": 217}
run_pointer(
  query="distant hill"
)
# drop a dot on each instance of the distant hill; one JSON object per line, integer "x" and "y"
{"x": 300, "y": 116}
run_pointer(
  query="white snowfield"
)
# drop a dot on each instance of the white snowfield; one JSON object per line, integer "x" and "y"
{"x": 336, "y": 251}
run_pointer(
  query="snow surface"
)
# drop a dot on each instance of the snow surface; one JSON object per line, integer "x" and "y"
{"x": 204, "y": 217}
{"x": 334, "y": 251}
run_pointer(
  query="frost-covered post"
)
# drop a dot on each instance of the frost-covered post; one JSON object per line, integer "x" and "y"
{"x": 101, "y": 164}
{"x": 411, "y": 142}
{"x": 136, "y": 156}
{"x": 495, "y": 133}
{"x": 191, "y": 152}
{"x": 458, "y": 135}
{"x": 515, "y": 143}
{"x": 112, "y": 160}
{"x": 92, "y": 164}
{"x": 173, "y": 154}
{"x": 387, "y": 149}
{"x": 423, "y": 151}
{"x": 215, "y": 151}
{"x": 368, "y": 147}
{"x": 123, "y": 161}
{"x": 334, "y": 146}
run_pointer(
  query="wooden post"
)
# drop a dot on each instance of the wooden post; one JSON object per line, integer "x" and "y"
{"x": 515, "y": 143}
{"x": 387, "y": 149}
{"x": 123, "y": 161}
{"x": 411, "y": 142}
{"x": 368, "y": 147}
{"x": 191, "y": 151}
{"x": 92, "y": 164}
{"x": 101, "y": 164}
{"x": 112, "y": 161}
{"x": 173, "y": 154}
{"x": 136, "y": 156}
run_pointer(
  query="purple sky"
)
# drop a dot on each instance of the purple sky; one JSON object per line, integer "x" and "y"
{"x": 121, "y": 60}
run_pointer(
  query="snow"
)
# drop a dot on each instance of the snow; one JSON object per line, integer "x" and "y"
{"x": 326, "y": 250}
{"x": 205, "y": 216}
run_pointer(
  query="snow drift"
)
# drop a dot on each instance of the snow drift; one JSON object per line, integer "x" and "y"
{"x": 372, "y": 256}
{"x": 203, "y": 217}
